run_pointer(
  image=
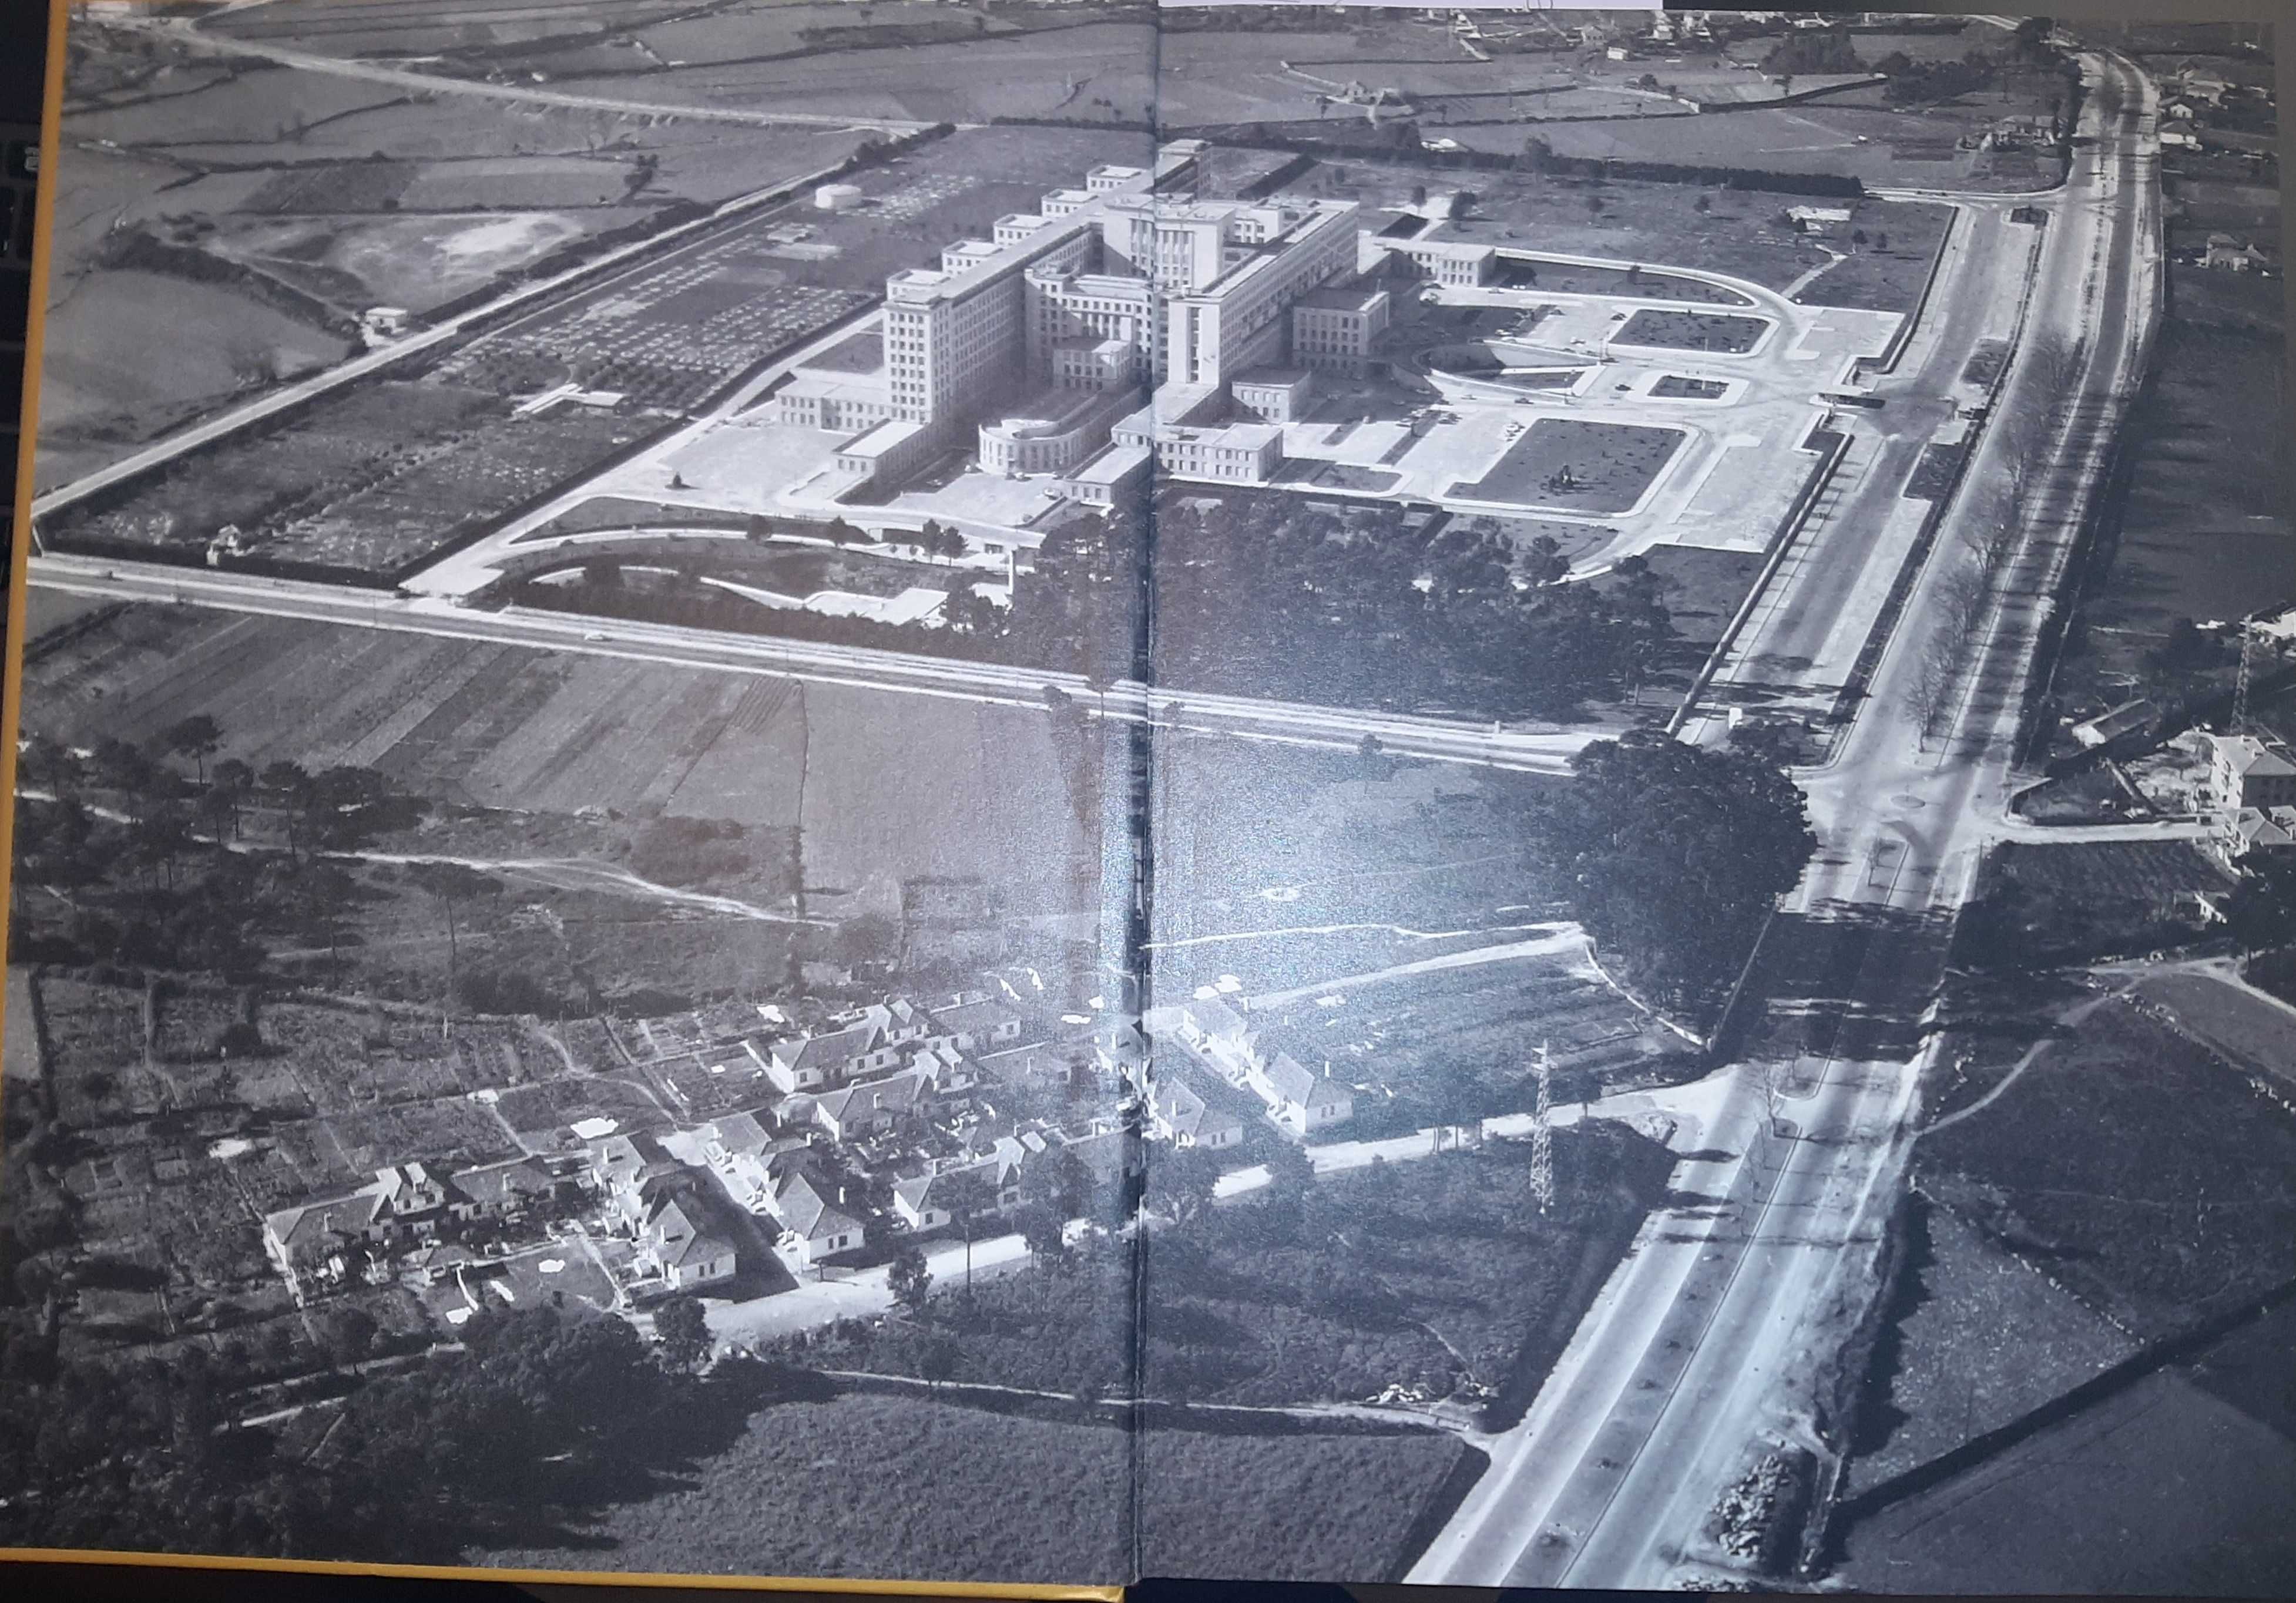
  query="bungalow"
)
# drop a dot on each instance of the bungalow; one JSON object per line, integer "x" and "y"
{"x": 502, "y": 1191}
{"x": 619, "y": 1161}
{"x": 1302, "y": 1102}
{"x": 738, "y": 1147}
{"x": 977, "y": 1190}
{"x": 812, "y": 1227}
{"x": 2177, "y": 136}
{"x": 404, "y": 1204}
{"x": 976, "y": 1022}
{"x": 2260, "y": 832}
{"x": 874, "y": 1109}
{"x": 867, "y": 1041}
{"x": 944, "y": 1067}
{"x": 327, "y": 1239}
{"x": 676, "y": 1247}
{"x": 1211, "y": 1029}
{"x": 1178, "y": 1114}
{"x": 2237, "y": 255}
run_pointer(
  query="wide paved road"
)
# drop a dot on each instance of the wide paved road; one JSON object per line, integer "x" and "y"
{"x": 1710, "y": 1343}
{"x": 1539, "y": 751}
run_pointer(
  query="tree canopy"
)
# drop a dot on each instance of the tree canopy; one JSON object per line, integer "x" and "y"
{"x": 1676, "y": 854}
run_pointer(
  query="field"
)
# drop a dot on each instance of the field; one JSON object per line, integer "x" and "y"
{"x": 1290, "y": 868}
{"x": 1886, "y": 274}
{"x": 1741, "y": 233}
{"x": 2152, "y": 1179}
{"x": 1574, "y": 465}
{"x": 367, "y": 480}
{"x": 2164, "y": 1488}
{"x": 898, "y": 786}
{"x": 349, "y": 192}
{"x": 1692, "y": 332}
{"x": 2248, "y": 1027}
{"x": 1006, "y": 1496}
{"x": 1980, "y": 1338}
{"x": 2202, "y": 532}
{"x": 176, "y": 1151}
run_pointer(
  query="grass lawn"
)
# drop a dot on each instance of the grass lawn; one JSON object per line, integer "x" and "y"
{"x": 1692, "y": 332}
{"x": 908, "y": 1488}
{"x": 2253, "y": 1031}
{"x": 1578, "y": 466}
{"x": 1704, "y": 588}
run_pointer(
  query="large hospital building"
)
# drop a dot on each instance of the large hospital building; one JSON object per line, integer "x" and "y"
{"x": 1118, "y": 323}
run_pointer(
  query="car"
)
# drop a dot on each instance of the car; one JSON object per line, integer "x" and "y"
{"x": 594, "y": 634}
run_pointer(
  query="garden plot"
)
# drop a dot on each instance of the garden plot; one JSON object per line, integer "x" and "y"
{"x": 1571, "y": 464}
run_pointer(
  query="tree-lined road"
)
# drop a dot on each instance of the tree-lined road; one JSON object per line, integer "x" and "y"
{"x": 1712, "y": 1342}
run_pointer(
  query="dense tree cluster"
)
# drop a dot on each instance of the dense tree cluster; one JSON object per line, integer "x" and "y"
{"x": 168, "y": 870}
{"x": 1823, "y": 50}
{"x": 1272, "y": 596}
{"x": 532, "y": 1408}
{"x": 1674, "y": 855}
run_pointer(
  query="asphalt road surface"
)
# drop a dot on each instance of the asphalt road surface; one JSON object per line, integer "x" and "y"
{"x": 1532, "y": 750}
{"x": 1709, "y": 1346}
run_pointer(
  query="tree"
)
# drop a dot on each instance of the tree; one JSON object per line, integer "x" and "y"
{"x": 1678, "y": 853}
{"x": 236, "y": 779}
{"x": 1182, "y": 1181}
{"x": 290, "y": 783}
{"x": 1702, "y": 205}
{"x": 937, "y": 1362}
{"x": 350, "y": 1334}
{"x": 910, "y": 1282}
{"x": 682, "y": 1330}
{"x": 323, "y": 893}
{"x": 1046, "y": 1235}
{"x": 197, "y": 738}
{"x": 453, "y": 882}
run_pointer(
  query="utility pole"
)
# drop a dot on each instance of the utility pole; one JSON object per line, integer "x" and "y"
{"x": 2240, "y": 684}
{"x": 1542, "y": 1134}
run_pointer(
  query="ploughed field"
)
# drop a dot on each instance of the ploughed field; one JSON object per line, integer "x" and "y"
{"x": 885, "y": 786}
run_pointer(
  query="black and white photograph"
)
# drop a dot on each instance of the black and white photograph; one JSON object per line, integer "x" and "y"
{"x": 1045, "y": 791}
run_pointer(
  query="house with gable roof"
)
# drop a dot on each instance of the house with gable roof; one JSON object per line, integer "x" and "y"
{"x": 1300, "y": 1101}
{"x": 872, "y": 1107}
{"x": 1177, "y": 1114}
{"x": 864, "y": 1043}
{"x": 405, "y": 1206}
{"x": 676, "y": 1244}
{"x": 813, "y": 1226}
{"x": 973, "y": 1190}
{"x": 974, "y": 1021}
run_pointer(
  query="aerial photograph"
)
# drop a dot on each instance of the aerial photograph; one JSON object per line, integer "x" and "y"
{"x": 1054, "y": 791}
